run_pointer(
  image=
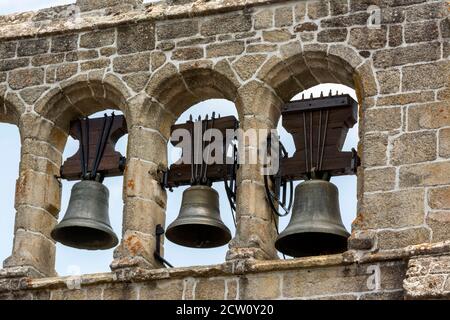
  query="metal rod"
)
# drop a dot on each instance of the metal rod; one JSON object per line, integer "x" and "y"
{"x": 311, "y": 138}
{"x": 103, "y": 141}
{"x": 82, "y": 143}
{"x": 324, "y": 138}
{"x": 191, "y": 132}
{"x": 88, "y": 129}
{"x": 319, "y": 140}
{"x": 306, "y": 144}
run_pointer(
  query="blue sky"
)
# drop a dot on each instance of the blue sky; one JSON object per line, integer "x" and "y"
{"x": 70, "y": 261}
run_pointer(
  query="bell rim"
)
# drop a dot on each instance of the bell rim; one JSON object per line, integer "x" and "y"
{"x": 87, "y": 224}
{"x": 194, "y": 222}
{"x": 315, "y": 251}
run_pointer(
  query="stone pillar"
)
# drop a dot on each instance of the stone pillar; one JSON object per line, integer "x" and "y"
{"x": 256, "y": 229}
{"x": 38, "y": 198}
{"x": 145, "y": 199}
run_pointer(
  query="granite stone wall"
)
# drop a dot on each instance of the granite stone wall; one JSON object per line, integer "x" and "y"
{"x": 154, "y": 61}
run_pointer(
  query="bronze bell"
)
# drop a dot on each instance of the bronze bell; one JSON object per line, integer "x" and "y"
{"x": 199, "y": 224}
{"x": 316, "y": 226}
{"x": 86, "y": 223}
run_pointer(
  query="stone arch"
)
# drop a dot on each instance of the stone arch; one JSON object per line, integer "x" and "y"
{"x": 11, "y": 108}
{"x": 300, "y": 68}
{"x": 177, "y": 90}
{"x": 81, "y": 96}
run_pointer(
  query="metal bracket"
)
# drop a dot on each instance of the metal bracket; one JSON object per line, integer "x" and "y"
{"x": 96, "y": 157}
{"x": 157, "y": 254}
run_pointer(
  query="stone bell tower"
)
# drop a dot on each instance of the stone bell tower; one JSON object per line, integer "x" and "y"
{"x": 153, "y": 61}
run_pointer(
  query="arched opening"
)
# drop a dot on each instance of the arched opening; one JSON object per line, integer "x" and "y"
{"x": 303, "y": 68}
{"x": 346, "y": 184}
{"x": 178, "y": 255}
{"x": 71, "y": 261}
{"x": 10, "y": 141}
{"x": 204, "y": 89}
{"x": 76, "y": 100}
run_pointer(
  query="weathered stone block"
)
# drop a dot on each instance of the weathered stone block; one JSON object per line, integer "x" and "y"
{"x": 346, "y": 21}
{"x": 405, "y": 98}
{"x": 428, "y": 11}
{"x": 367, "y": 38}
{"x": 8, "y": 49}
{"x": 98, "y": 39}
{"x": 383, "y": 119}
{"x": 421, "y": 31}
{"x": 30, "y": 95}
{"x": 64, "y": 43}
{"x": 266, "y": 286}
{"x": 230, "y": 23}
{"x": 32, "y": 47}
{"x": 382, "y": 179}
{"x": 332, "y": 35}
{"x": 137, "y": 81}
{"x": 162, "y": 290}
{"x": 300, "y": 12}
{"x": 46, "y": 59}
{"x": 136, "y": 38}
{"x": 283, "y": 17}
{"x": 34, "y": 219}
{"x": 88, "y": 5}
{"x": 323, "y": 281}
{"x": 375, "y": 148}
{"x": 190, "y": 53}
{"x": 399, "y": 239}
{"x": 426, "y": 174}
{"x": 318, "y": 9}
{"x": 138, "y": 182}
{"x": 439, "y": 198}
{"x": 141, "y": 62}
{"x": 81, "y": 55}
{"x": 413, "y": 148}
{"x": 34, "y": 250}
{"x": 248, "y": 65}
{"x": 425, "y": 76}
{"x": 280, "y": 35}
{"x": 59, "y": 73}
{"x": 11, "y": 64}
{"x": 445, "y": 28}
{"x": 409, "y": 54}
{"x": 137, "y": 215}
{"x": 263, "y": 19}
{"x": 395, "y": 35}
{"x": 119, "y": 291}
{"x": 95, "y": 64}
{"x": 108, "y": 51}
{"x": 193, "y": 41}
{"x": 444, "y": 143}
{"x": 428, "y": 116}
{"x": 177, "y": 29}
{"x": 210, "y": 289}
{"x": 231, "y": 48}
{"x": 389, "y": 81}
{"x": 253, "y": 48}
{"x": 19, "y": 79}
{"x": 48, "y": 197}
{"x": 395, "y": 209}
{"x": 306, "y": 26}
{"x": 439, "y": 222}
{"x": 338, "y": 7}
